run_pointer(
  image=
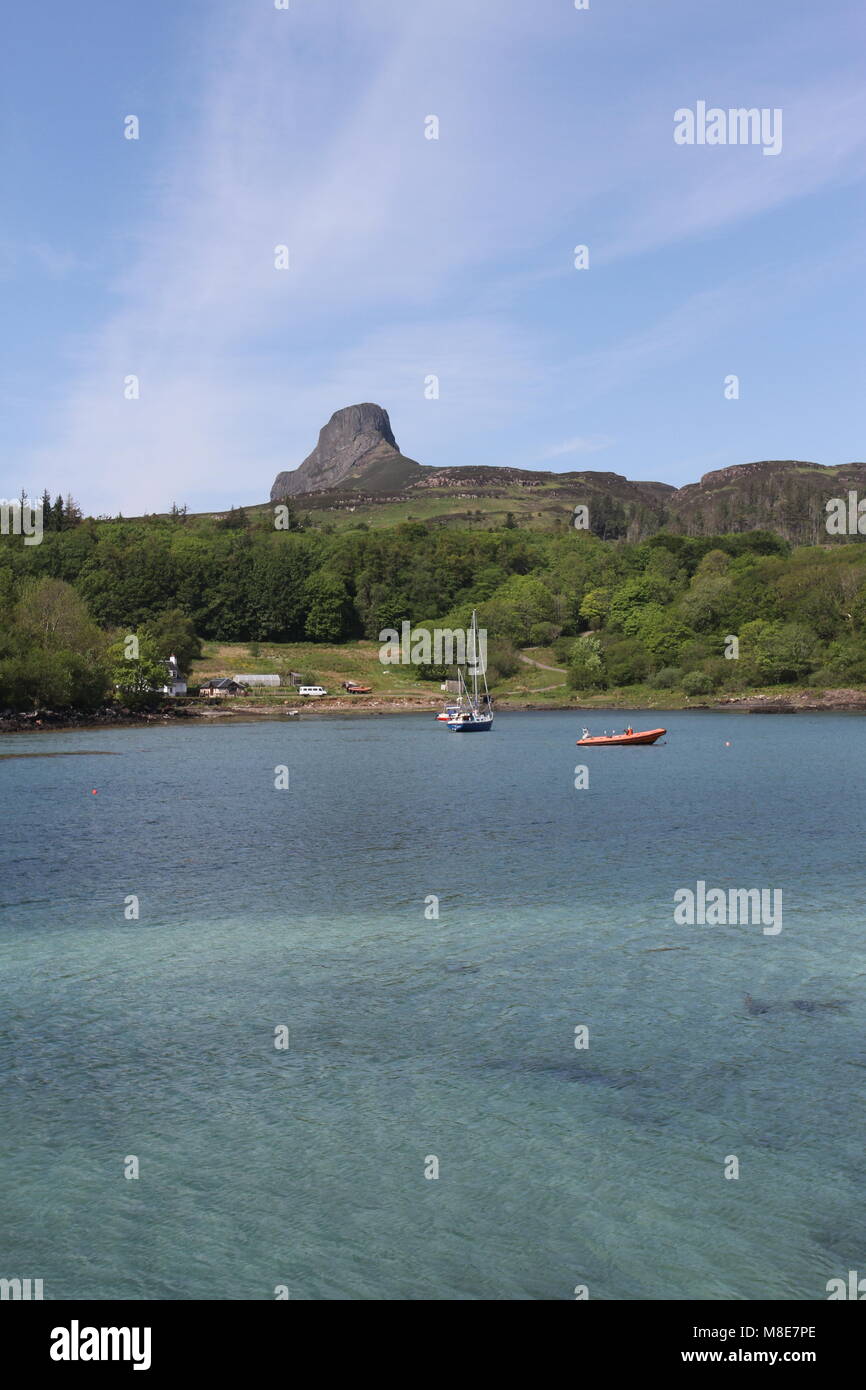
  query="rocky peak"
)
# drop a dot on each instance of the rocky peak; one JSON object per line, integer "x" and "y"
{"x": 765, "y": 468}
{"x": 353, "y": 438}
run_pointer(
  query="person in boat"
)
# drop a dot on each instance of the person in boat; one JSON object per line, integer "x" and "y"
{"x": 629, "y": 730}
{"x": 584, "y": 733}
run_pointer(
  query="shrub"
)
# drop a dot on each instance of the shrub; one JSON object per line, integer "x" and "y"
{"x": 845, "y": 661}
{"x": 543, "y": 634}
{"x": 668, "y": 678}
{"x": 718, "y": 669}
{"x": 697, "y": 683}
{"x": 626, "y": 662}
{"x": 502, "y": 661}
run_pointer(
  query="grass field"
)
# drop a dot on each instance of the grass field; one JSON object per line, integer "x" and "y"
{"x": 536, "y": 508}
{"x": 331, "y": 665}
{"x": 323, "y": 664}
{"x": 359, "y": 661}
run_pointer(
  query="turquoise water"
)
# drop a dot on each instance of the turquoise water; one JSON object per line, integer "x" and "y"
{"x": 453, "y": 1037}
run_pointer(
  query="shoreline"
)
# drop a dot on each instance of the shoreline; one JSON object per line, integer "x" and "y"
{"x": 46, "y": 721}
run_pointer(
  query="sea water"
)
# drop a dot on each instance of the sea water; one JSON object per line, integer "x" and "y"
{"x": 421, "y": 1023}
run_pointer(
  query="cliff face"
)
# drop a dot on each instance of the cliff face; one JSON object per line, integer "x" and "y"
{"x": 787, "y": 496}
{"x": 357, "y": 458}
{"x": 353, "y": 439}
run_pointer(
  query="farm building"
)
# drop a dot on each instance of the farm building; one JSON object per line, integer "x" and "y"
{"x": 252, "y": 681}
{"x": 218, "y": 689}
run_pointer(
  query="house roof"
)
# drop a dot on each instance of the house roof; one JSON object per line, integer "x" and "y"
{"x": 224, "y": 684}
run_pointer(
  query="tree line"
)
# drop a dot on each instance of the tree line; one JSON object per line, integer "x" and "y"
{"x": 659, "y": 612}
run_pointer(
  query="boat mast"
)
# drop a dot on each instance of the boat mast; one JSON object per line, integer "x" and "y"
{"x": 474, "y": 658}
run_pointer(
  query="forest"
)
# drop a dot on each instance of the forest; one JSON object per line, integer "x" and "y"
{"x": 661, "y": 612}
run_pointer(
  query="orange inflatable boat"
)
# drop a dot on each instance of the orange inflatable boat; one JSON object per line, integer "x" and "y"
{"x": 648, "y": 736}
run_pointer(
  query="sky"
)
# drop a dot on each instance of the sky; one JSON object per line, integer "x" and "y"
{"x": 408, "y": 257}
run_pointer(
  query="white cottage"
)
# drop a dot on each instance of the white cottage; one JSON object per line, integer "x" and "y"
{"x": 175, "y": 684}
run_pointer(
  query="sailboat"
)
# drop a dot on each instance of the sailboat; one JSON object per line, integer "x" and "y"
{"x": 475, "y": 715}
{"x": 448, "y": 713}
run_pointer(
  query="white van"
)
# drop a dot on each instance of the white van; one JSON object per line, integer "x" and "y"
{"x": 312, "y": 690}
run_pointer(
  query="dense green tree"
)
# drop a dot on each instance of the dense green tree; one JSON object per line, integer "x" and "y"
{"x": 637, "y": 593}
{"x": 595, "y": 607}
{"x": 51, "y": 653}
{"x": 669, "y": 601}
{"x": 275, "y": 600}
{"x": 328, "y": 602}
{"x": 173, "y": 634}
{"x": 777, "y": 652}
{"x": 626, "y": 661}
{"x": 608, "y": 519}
{"x": 659, "y": 630}
{"x": 518, "y": 604}
{"x": 46, "y": 678}
{"x": 845, "y": 661}
{"x": 709, "y": 601}
{"x": 586, "y": 667}
{"x": 51, "y": 614}
{"x": 136, "y": 678}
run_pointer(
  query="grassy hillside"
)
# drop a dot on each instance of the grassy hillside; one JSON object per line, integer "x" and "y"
{"x": 786, "y": 497}
{"x": 387, "y": 474}
{"x": 324, "y": 663}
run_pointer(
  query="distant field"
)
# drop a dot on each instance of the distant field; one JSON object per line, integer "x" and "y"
{"x": 484, "y": 512}
{"x": 330, "y": 665}
{"x": 534, "y": 508}
{"x": 326, "y": 665}
{"x": 359, "y": 661}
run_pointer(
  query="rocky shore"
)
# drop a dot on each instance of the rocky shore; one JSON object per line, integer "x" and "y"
{"x": 119, "y": 716}
{"x": 32, "y": 721}
{"x": 797, "y": 700}
{"x": 172, "y": 711}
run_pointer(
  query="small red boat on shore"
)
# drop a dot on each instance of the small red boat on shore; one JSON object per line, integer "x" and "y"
{"x": 630, "y": 736}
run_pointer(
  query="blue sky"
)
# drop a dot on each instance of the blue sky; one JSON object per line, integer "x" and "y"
{"x": 411, "y": 257}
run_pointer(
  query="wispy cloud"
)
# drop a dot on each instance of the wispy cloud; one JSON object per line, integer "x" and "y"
{"x": 578, "y": 445}
{"x": 408, "y": 257}
{"x": 377, "y": 219}
{"x": 689, "y": 191}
